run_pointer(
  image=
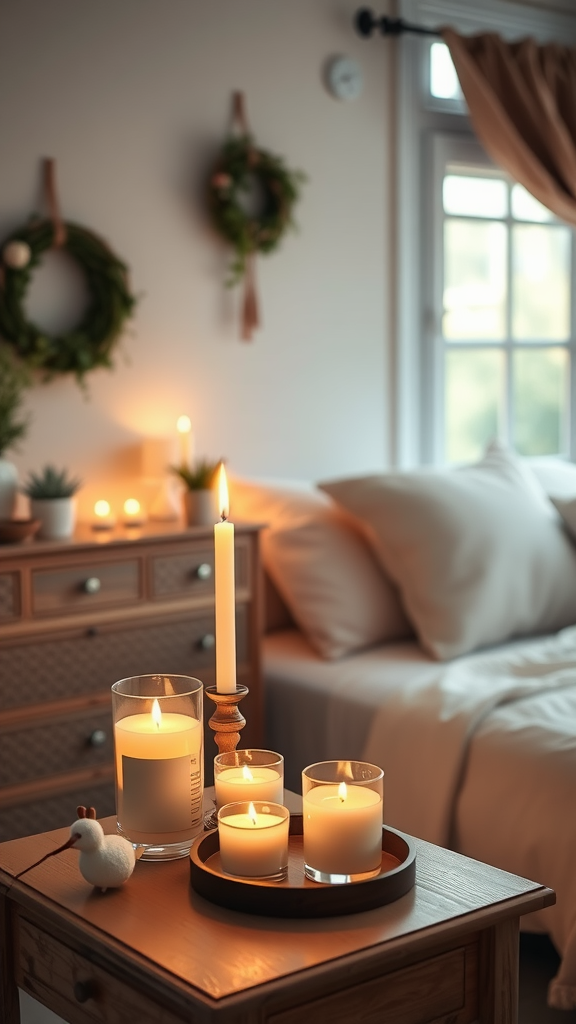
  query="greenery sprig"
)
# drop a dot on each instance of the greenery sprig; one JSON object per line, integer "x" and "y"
{"x": 13, "y": 380}
{"x": 51, "y": 483}
{"x": 200, "y": 477}
{"x": 90, "y": 344}
{"x": 241, "y": 163}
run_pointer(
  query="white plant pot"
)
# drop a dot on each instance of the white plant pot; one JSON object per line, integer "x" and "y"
{"x": 57, "y": 517}
{"x": 200, "y": 508}
{"x": 8, "y": 488}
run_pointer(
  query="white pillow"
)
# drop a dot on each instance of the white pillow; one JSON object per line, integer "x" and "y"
{"x": 557, "y": 476}
{"x": 322, "y": 566}
{"x": 478, "y": 553}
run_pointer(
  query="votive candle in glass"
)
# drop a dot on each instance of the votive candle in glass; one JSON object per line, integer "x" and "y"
{"x": 158, "y": 741}
{"x": 342, "y": 803}
{"x": 248, "y": 775}
{"x": 253, "y": 838}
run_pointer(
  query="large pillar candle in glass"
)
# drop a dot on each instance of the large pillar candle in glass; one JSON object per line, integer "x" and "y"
{"x": 342, "y": 805}
{"x": 248, "y": 775}
{"x": 159, "y": 762}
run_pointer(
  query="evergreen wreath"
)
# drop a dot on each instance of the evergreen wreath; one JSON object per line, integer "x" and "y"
{"x": 90, "y": 344}
{"x": 240, "y": 162}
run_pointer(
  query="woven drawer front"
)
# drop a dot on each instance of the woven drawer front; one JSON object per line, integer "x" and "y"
{"x": 48, "y": 670}
{"x": 93, "y": 585}
{"x": 9, "y": 595}
{"x": 51, "y": 812}
{"x": 59, "y": 745}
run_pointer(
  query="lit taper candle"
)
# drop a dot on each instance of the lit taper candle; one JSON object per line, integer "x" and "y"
{"x": 225, "y": 593}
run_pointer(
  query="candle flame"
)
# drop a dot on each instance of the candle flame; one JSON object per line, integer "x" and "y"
{"x": 131, "y": 506}
{"x": 252, "y": 813}
{"x": 156, "y": 714}
{"x": 223, "y": 500}
{"x": 246, "y": 773}
{"x": 183, "y": 424}
{"x": 102, "y": 508}
{"x": 342, "y": 792}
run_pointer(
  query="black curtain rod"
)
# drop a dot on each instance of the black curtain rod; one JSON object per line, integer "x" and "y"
{"x": 365, "y": 22}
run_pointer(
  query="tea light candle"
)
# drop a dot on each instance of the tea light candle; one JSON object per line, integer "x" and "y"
{"x": 154, "y": 752}
{"x": 254, "y": 839}
{"x": 342, "y": 829}
{"x": 248, "y": 782}
{"x": 133, "y": 515}
{"x": 103, "y": 518}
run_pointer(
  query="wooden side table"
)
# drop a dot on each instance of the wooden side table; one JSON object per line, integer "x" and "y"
{"x": 155, "y": 952}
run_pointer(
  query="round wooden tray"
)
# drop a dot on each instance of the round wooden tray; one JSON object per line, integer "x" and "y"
{"x": 297, "y": 896}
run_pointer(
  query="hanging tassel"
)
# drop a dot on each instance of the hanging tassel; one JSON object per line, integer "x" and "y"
{"x": 250, "y": 312}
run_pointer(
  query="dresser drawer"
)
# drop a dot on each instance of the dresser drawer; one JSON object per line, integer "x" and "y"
{"x": 9, "y": 595}
{"x": 42, "y": 814}
{"x": 93, "y": 585}
{"x": 57, "y": 745}
{"x": 191, "y": 573}
{"x": 90, "y": 660}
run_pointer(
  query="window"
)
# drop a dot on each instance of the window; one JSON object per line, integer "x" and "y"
{"x": 501, "y": 323}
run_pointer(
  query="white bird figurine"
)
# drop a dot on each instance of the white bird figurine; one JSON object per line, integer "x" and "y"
{"x": 105, "y": 861}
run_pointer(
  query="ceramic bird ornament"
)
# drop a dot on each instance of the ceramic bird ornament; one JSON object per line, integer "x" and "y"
{"x": 106, "y": 862}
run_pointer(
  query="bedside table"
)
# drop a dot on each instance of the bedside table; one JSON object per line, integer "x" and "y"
{"x": 75, "y": 616}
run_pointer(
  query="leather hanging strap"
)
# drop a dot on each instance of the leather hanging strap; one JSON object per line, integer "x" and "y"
{"x": 239, "y": 116}
{"x": 53, "y": 204}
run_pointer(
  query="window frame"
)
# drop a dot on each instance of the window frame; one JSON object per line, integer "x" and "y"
{"x": 414, "y": 369}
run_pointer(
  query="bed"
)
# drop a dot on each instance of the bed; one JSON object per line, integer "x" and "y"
{"x": 426, "y": 622}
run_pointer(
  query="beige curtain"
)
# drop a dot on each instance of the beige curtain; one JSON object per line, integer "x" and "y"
{"x": 522, "y": 103}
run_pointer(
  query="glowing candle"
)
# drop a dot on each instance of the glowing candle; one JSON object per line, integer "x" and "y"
{"x": 132, "y": 512}
{"x": 184, "y": 428}
{"x": 253, "y": 839}
{"x": 224, "y": 594}
{"x": 342, "y": 829}
{"x": 103, "y": 518}
{"x": 248, "y": 783}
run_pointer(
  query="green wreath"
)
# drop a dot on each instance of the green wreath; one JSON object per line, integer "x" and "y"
{"x": 90, "y": 344}
{"x": 240, "y": 162}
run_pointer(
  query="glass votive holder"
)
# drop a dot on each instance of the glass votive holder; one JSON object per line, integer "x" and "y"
{"x": 248, "y": 775}
{"x": 159, "y": 768}
{"x": 342, "y": 821}
{"x": 253, "y": 838}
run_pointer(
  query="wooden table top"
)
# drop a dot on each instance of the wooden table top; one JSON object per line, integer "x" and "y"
{"x": 157, "y": 916}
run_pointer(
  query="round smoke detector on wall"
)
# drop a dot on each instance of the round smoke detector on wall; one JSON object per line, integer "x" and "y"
{"x": 344, "y": 78}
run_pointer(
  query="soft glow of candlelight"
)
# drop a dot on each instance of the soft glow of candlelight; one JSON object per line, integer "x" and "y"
{"x": 102, "y": 508}
{"x": 103, "y": 518}
{"x": 253, "y": 839}
{"x": 156, "y": 714}
{"x": 131, "y": 506}
{"x": 252, "y": 813}
{"x": 224, "y": 594}
{"x": 184, "y": 428}
{"x": 247, "y": 774}
{"x": 342, "y": 791}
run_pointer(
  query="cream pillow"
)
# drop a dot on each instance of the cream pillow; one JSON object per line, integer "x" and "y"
{"x": 322, "y": 566}
{"x": 478, "y": 553}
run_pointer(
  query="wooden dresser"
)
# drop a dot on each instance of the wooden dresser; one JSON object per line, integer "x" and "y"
{"x": 76, "y": 616}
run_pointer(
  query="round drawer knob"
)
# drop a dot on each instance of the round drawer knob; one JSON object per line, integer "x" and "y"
{"x": 92, "y": 585}
{"x": 83, "y": 991}
{"x": 207, "y": 641}
{"x": 204, "y": 571}
{"x": 97, "y": 738}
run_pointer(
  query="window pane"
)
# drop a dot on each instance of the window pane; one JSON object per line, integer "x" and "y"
{"x": 443, "y": 78}
{"x": 525, "y": 207}
{"x": 474, "y": 390}
{"x": 474, "y": 281}
{"x": 540, "y": 283}
{"x": 477, "y": 197}
{"x": 540, "y": 401}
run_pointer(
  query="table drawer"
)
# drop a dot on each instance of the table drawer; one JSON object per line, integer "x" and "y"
{"x": 57, "y": 745}
{"x": 42, "y": 814}
{"x": 77, "y": 989}
{"x": 93, "y": 585}
{"x": 441, "y": 988}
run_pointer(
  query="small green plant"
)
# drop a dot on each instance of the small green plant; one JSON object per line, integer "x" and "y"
{"x": 13, "y": 380}
{"x": 200, "y": 477}
{"x": 51, "y": 483}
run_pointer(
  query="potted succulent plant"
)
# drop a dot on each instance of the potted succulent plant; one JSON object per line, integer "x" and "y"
{"x": 200, "y": 504}
{"x": 13, "y": 426}
{"x": 51, "y": 494}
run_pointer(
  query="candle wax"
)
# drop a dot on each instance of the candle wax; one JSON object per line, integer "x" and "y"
{"x": 265, "y": 784}
{"x": 253, "y": 848}
{"x": 342, "y": 837}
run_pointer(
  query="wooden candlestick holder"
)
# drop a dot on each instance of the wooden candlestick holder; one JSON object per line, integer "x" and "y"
{"x": 227, "y": 721}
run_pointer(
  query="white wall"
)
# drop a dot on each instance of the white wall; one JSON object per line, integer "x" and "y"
{"x": 132, "y": 98}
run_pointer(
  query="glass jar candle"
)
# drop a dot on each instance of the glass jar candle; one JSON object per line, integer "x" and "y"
{"x": 342, "y": 803}
{"x": 248, "y": 775}
{"x": 253, "y": 839}
{"x": 158, "y": 744}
